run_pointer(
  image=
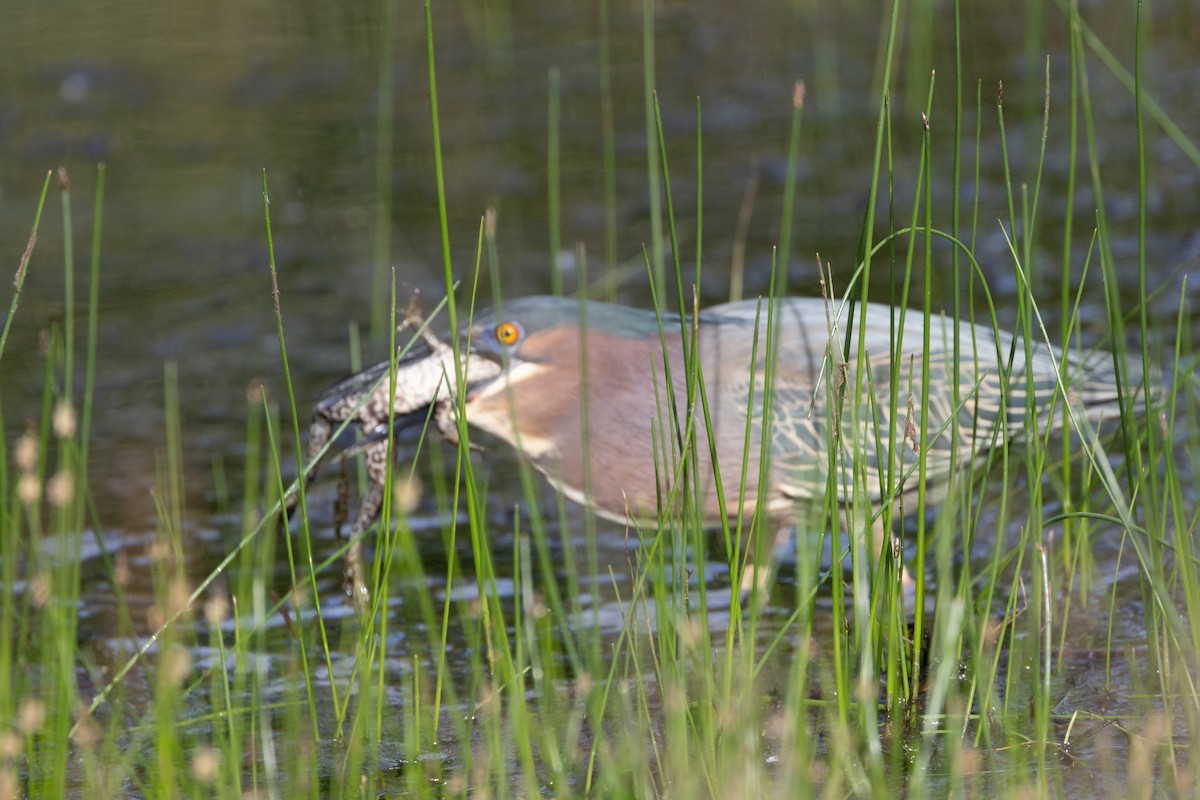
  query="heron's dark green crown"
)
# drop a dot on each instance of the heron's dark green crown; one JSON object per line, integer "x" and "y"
{"x": 534, "y": 315}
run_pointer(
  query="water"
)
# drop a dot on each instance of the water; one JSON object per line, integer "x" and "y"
{"x": 186, "y": 106}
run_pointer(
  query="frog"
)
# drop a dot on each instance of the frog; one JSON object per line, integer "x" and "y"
{"x": 423, "y": 388}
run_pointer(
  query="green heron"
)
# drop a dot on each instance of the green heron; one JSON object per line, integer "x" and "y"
{"x": 590, "y": 394}
{"x": 797, "y": 360}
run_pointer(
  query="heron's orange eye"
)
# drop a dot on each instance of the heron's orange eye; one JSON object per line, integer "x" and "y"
{"x": 507, "y": 334}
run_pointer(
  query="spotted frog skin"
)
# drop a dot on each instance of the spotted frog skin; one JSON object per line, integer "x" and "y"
{"x": 424, "y": 377}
